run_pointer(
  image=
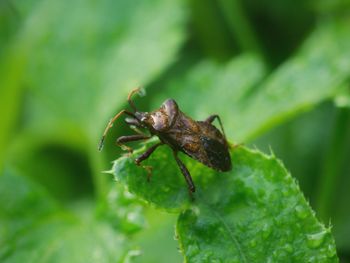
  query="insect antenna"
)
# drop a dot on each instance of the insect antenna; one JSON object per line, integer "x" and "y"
{"x": 138, "y": 90}
{"x": 222, "y": 127}
{"x": 110, "y": 125}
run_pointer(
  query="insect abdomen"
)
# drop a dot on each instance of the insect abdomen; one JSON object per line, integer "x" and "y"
{"x": 217, "y": 154}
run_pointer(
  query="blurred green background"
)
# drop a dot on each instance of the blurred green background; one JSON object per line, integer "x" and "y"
{"x": 277, "y": 72}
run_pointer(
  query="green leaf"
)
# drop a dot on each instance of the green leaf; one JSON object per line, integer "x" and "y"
{"x": 33, "y": 228}
{"x": 122, "y": 210}
{"x": 78, "y": 70}
{"x": 247, "y": 105}
{"x": 331, "y": 6}
{"x": 317, "y": 72}
{"x": 166, "y": 188}
{"x": 214, "y": 85}
{"x": 342, "y": 99}
{"x": 92, "y": 57}
{"x": 254, "y": 213}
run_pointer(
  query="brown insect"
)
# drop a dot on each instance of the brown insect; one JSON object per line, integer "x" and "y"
{"x": 200, "y": 140}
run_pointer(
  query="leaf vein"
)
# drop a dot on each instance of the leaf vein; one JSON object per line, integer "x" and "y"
{"x": 231, "y": 234}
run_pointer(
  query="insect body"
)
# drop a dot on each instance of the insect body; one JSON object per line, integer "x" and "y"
{"x": 200, "y": 140}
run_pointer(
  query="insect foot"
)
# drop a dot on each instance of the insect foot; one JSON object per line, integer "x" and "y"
{"x": 147, "y": 168}
{"x": 199, "y": 140}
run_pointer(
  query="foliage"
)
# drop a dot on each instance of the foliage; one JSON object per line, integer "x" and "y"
{"x": 276, "y": 72}
{"x": 35, "y": 229}
{"x": 233, "y": 216}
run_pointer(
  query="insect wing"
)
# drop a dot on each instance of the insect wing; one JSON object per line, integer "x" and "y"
{"x": 209, "y": 151}
{"x": 217, "y": 154}
{"x": 202, "y": 141}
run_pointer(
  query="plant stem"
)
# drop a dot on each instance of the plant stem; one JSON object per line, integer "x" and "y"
{"x": 240, "y": 26}
{"x": 210, "y": 29}
{"x": 335, "y": 157}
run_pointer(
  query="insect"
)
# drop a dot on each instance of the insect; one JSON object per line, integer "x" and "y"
{"x": 200, "y": 140}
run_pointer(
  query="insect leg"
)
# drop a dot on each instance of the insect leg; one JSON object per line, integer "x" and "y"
{"x": 134, "y": 125}
{"x": 131, "y": 103}
{"x": 137, "y": 130}
{"x": 186, "y": 173}
{"x": 144, "y": 156}
{"x": 211, "y": 118}
{"x": 131, "y": 138}
{"x": 133, "y": 121}
{"x": 110, "y": 125}
{"x": 147, "y": 153}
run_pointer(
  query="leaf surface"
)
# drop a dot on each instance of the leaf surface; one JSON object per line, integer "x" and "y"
{"x": 33, "y": 228}
{"x": 92, "y": 58}
{"x": 254, "y": 213}
{"x": 251, "y": 101}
